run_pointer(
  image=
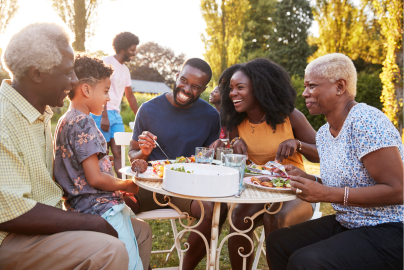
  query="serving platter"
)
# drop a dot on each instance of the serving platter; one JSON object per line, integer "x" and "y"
{"x": 204, "y": 181}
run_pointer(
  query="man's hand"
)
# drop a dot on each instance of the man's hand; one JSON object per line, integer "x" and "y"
{"x": 286, "y": 149}
{"x": 146, "y": 143}
{"x": 44, "y": 219}
{"x": 104, "y": 120}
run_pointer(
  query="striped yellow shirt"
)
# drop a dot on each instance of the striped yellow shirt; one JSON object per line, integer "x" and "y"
{"x": 26, "y": 157}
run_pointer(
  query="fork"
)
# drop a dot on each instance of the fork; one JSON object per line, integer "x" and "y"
{"x": 277, "y": 165}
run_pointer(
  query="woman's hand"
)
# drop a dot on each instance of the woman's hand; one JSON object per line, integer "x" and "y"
{"x": 146, "y": 143}
{"x": 311, "y": 190}
{"x": 293, "y": 170}
{"x": 216, "y": 144}
{"x": 240, "y": 147}
{"x": 286, "y": 149}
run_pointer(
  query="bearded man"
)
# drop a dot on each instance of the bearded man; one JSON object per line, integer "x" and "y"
{"x": 179, "y": 121}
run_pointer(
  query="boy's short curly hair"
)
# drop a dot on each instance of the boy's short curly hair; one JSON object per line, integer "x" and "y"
{"x": 124, "y": 40}
{"x": 89, "y": 69}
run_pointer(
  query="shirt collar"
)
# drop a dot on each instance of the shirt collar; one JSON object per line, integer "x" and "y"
{"x": 25, "y": 108}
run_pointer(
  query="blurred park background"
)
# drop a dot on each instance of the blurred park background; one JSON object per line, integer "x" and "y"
{"x": 224, "y": 32}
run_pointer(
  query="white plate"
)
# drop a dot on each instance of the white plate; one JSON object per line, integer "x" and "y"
{"x": 147, "y": 175}
{"x": 247, "y": 180}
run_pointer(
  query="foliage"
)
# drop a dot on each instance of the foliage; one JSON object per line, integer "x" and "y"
{"x": 156, "y": 63}
{"x": 223, "y": 40}
{"x": 369, "y": 88}
{"x": 345, "y": 28}
{"x": 288, "y": 45}
{"x": 8, "y": 8}
{"x": 256, "y": 32}
{"x": 390, "y": 13}
{"x": 127, "y": 113}
{"x": 80, "y": 16}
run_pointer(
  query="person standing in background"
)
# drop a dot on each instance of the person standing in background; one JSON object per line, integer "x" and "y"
{"x": 110, "y": 121}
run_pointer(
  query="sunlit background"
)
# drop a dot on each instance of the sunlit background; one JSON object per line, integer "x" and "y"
{"x": 176, "y": 24}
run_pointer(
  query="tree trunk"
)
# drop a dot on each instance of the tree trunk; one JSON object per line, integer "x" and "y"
{"x": 224, "y": 45}
{"x": 80, "y": 25}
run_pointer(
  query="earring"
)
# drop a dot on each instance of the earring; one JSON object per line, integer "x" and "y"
{"x": 338, "y": 93}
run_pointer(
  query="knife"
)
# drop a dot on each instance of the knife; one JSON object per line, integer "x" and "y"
{"x": 260, "y": 171}
{"x": 161, "y": 149}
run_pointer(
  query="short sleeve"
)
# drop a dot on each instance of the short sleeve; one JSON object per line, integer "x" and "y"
{"x": 371, "y": 131}
{"x": 140, "y": 123}
{"x": 86, "y": 139}
{"x": 128, "y": 78}
{"x": 15, "y": 184}
{"x": 215, "y": 131}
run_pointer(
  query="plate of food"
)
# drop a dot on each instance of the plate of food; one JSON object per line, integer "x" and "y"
{"x": 268, "y": 182}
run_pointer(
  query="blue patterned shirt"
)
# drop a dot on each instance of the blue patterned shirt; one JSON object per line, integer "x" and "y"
{"x": 366, "y": 129}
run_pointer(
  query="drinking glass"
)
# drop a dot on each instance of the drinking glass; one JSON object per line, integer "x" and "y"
{"x": 204, "y": 155}
{"x": 221, "y": 152}
{"x": 237, "y": 162}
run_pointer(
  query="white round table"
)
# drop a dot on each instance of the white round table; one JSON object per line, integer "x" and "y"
{"x": 250, "y": 195}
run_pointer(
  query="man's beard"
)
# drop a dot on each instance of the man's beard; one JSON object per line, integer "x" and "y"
{"x": 190, "y": 102}
{"x": 126, "y": 58}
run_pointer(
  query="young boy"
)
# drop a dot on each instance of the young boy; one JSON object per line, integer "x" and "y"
{"x": 82, "y": 167}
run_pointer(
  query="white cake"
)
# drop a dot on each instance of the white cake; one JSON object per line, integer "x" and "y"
{"x": 205, "y": 181}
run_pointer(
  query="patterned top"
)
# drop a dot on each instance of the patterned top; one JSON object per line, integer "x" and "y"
{"x": 26, "y": 158}
{"x": 77, "y": 138}
{"x": 365, "y": 130}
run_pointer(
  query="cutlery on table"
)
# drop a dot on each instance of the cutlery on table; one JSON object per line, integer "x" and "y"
{"x": 160, "y": 148}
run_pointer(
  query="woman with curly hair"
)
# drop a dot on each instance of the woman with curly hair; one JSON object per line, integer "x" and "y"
{"x": 258, "y": 110}
{"x": 82, "y": 167}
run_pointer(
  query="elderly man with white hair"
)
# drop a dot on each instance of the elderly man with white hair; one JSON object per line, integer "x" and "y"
{"x": 361, "y": 161}
{"x": 35, "y": 233}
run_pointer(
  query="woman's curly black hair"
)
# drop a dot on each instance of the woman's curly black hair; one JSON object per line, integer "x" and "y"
{"x": 272, "y": 87}
{"x": 124, "y": 40}
{"x": 89, "y": 69}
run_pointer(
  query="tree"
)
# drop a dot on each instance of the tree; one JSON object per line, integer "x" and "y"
{"x": 223, "y": 40}
{"x": 390, "y": 13}
{"x": 8, "y": 8}
{"x": 156, "y": 63}
{"x": 345, "y": 28}
{"x": 79, "y": 15}
{"x": 288, "y": 45}
{"x": 256, "y": 32}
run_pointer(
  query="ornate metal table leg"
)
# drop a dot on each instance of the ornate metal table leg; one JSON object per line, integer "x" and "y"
{"x": 187, "y": 228}
{"x": 243, "y": 233}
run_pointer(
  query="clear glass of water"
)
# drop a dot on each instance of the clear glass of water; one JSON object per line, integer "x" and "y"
{"x": 204, "y": 155}
{"x": 237, "y": 162}
{"x": 221, "y": 152}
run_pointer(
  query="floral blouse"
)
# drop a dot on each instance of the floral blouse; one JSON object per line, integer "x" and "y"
{"x": 77, "y": 138}
{"x": 366, "y": 129}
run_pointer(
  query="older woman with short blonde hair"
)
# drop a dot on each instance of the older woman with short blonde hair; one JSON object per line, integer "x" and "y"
{"x": 361, "y": 161}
